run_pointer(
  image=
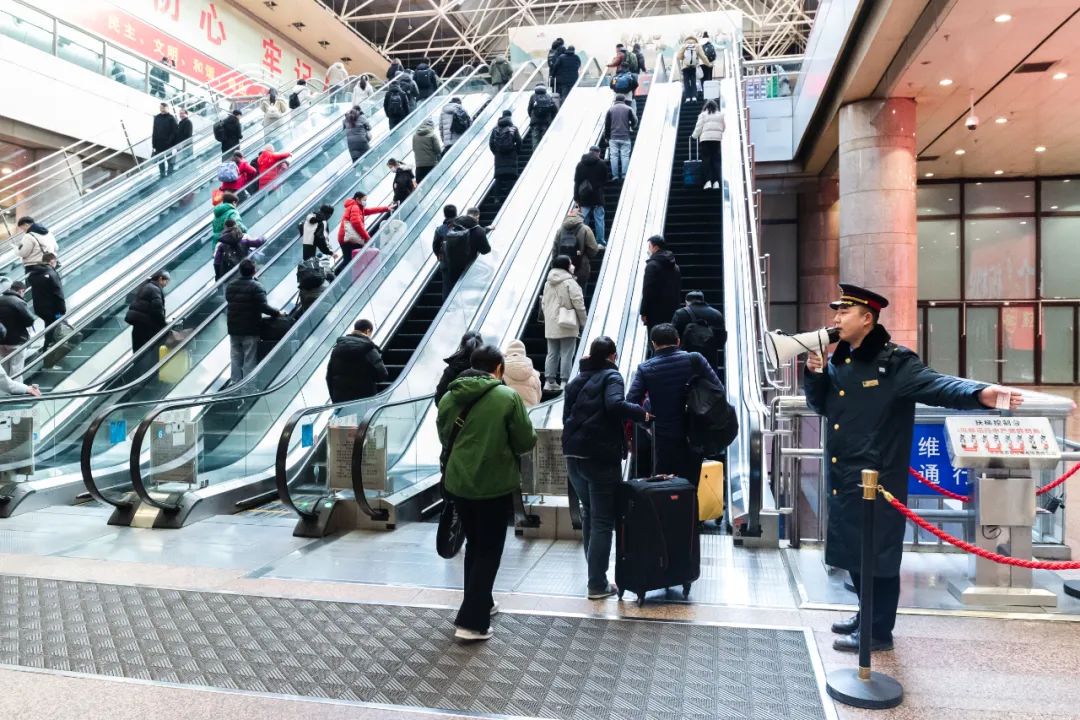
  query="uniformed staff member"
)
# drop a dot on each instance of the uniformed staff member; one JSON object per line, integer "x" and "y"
{"x": 868, "y": 394}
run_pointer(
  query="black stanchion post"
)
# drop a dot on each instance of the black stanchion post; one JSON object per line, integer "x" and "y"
{"x": 864, "y": 688}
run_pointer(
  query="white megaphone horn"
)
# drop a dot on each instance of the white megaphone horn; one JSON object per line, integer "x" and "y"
{"x": 781, "y": 347}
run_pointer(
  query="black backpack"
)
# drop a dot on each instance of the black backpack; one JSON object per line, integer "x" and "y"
{"x": 709, "y": 50}
{"x": 460, "y": 122}
{"x": 425, "y": 79}
{"x": 294, "y": 100}
{"x": 456, "y": 247}
{"x": 698, "y": 336}
{"x": 396, "y": 102}
{"x": 569, "y": 245}
{"x": 232, "y": 252}
{"x": 711, "y": 423}
{"x": 403, "y": 180}
{"x": 503, "y": 142}
{"x": 544, "y": 107}
{"x": 310, "y": 274}
{"x": 219, "y": 131}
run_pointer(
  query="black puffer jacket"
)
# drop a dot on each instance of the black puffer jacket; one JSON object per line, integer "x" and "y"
{"x": 594, "y": 409}
{"x": 506, "y": 163}
{"x": 355, "y": 368}
{"x": 661, "y": 289}
{"x": 16, "y": 317}
{"x": 164, "y": 135}
{"x": 232, "y": 131}
{"x": 246, "y": 298}
{"x": 455, "y": 365}
{"x": 590, "y": 176}
{"x": 567, "y": 68}
{"x": 47, "y": 292}
{"x": 147, "y": 309}
{"x": 478, "y": 241}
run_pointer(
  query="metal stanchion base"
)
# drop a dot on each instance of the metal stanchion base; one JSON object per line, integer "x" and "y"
{"x": 878, "y": 692}
{"x": 970, "y": 594}
{"x": 1072, "y": 588}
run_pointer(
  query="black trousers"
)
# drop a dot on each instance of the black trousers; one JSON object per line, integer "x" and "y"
{"x": 141, "y": 335}
{"x": 689, "y": 79}
{"x": 710, "y": 160}
{"x": 422, "y": 172}
{"x": 485, "y": 523}
{"x": 674, "y": 457}
{"x": 706, "y": 74}
{"x": 886, "y": 600}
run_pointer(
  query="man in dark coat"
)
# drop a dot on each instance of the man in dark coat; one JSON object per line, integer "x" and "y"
{"x": 590, "y": 177}
{"x": 566, "y": 70}
{"x": 184, "y": 151}
{"x": 663, "y": 379}
{"x": 146, "y": 315}
{"x": 708, "y": 334}
{"x": 426, "y": 80}
{"x": 16, "y": 317}
{"x": 505, "y": 145}
{"x": 246, "y": 304}
{"x": 47, "y": 292}
{"x": 163, "y": 138}
{"x": 356, "y": 365}
{"x": 542, "y": 110}
{"x": 231, "y": 134}
{"x": 867, "y": 394}
{"x": 660, "y": 290}
{"x": 594, "y": 410}
{"x": 459, "y": 251}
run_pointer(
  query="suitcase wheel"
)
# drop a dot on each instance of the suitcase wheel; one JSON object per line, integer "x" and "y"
{"x": 686, "y": 591}
{"x": 641, "y": 600}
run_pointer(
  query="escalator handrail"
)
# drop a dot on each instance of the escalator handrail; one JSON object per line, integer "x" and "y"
{"x": 311, "y": 144}
{"x": 228, "y": 396}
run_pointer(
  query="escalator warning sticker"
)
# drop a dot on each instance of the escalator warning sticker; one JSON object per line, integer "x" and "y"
{"x": 307, "y": 435}
{"x": 117, "y": 431}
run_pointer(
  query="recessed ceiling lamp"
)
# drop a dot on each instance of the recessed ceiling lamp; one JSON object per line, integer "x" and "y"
{"x": 1060, "y": 75}
{"x": 1040, "y": 148}
{"x": 999, "y": 172}
{"x": 1003, "y": 18}
{"x": 944, "y": 82}
{"x": 5, "y": 171}
{"x": 1001, "y": 120}
{"x": 929, "y": 175}
{"x": 959, "y": 151}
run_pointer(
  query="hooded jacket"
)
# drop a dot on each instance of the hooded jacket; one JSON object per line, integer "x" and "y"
{"x": 446, "y": 123}
{"x": 222, "y": 213}
{"x": 426, "y": 80}
{"x": 355, "y": 368}
{"x": 427, "y": 147}
{"x": 246, "y": 172}
{"x": 362, "y": 93}
{"x": 506, "y": 163}
{"x": 691, "y": 55}
{"x": 164, "y": 134}
{"x": 539, "y": 117}
{"x": 520, "y": 375}
{"x": 594, "y": 409}
{"x": 16, "y": 317}
{"x": 273, "y": 111}
{"x": 586, "y": 246}
{"x": 455, "y": 365}
{"x": 270, "y": 165}
{"x": 336, "y": 74}
{"x": 315, "y": 233}
{"x": 34, "y": 243}
{"x": 246, "y": 304}
{"x": 46, "y": 292}
{"x": 478, "y": 243}
{"x": 567, "y": 68}
{"x": 710, "y": 127}
{"x": 232, "y": 132}
{"x": 147, "y": 309}
{"x": 355, "y": 216}
{"x": 661, "y": 291}
{"x": 357, "y": 135}
{"x": 590, "y": 176}
{"x": 500, "y": 70}
{"x": 561, "y": 290}
{"x": 394, "y": 70}
{"x": 484, "y": 462}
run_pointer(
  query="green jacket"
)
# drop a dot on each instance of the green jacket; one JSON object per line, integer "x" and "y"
{"x": 223, "y": 212}
{"x": 484, "y": 461}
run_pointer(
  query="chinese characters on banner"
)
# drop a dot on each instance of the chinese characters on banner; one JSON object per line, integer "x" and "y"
{"x": 930, "y": 456}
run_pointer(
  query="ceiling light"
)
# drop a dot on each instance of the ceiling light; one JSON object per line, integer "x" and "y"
{"x": 5, "y": 171}
{"x": 960, "y": 151}
{"x": 1060, "y": 75}
{"x": 1066, "y": 180}
{"x": 1001, "y": 120}
{"x": 944, "y": 82}
{"x": 1040, "y": 148}
{"x": 1003, "y": 18}
{"x": 1053, "y": 207}
{"x": 929, "y": 175}
{"x": 999, "y": 172}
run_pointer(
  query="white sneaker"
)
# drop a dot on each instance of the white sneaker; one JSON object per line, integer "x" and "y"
{"x": 494, "y": 610}
{"x": 473, "y": 635}
{"x": 708, "y": 185}
{"x": 551, "y": 387}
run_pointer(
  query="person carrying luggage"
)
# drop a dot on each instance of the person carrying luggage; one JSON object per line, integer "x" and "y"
{"x": 352, "y": 232}
{"x": 566, "y": 71}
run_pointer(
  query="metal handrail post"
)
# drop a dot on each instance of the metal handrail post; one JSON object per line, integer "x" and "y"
{"x": 130, "y": 146}
{"x": 74, "y": 179}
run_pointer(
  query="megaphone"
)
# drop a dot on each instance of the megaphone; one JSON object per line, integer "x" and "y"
{"x": 781, "y": 347}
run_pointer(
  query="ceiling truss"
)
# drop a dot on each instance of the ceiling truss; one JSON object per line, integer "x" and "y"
{"x": 451, "y": 32}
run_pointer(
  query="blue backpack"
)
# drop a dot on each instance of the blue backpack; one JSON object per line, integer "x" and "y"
{"x": 623, "y": 83}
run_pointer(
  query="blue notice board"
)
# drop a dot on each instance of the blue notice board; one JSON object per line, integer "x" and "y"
{"x": 930, "y": 456}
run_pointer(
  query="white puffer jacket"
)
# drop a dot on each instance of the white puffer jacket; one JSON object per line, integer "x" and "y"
{"x": 561, "y": 291}
{"x": 519, "y": 373}
{"x": 33, "y": 245}
{"x": 710, "y": 127}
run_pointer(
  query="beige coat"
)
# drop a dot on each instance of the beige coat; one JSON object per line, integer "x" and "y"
{"x": 273, "y": 111}
{"x": 561, "y": 291}
{"x": 519, "y": 373}
{"x": 687, "y": 59}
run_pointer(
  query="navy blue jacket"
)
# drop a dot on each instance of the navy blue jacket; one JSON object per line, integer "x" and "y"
{"x": 594, "y": 409}
{"x": 663, "y": 378}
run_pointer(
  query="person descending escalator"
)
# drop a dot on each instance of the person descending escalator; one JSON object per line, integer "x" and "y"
{"x": 542, "y": 110}
{"x": 315, "y": 233}
{"x": 427, "y": 149}
{"x": 425, "y": 78}
{"x": 146, "y": 313}
{"x": 404, "y": 180}
{"x": 505, "y": 145}
{"x": 458, "y": 362}
{"x": 453, "y": 122}
{"x": 356, "y": 366}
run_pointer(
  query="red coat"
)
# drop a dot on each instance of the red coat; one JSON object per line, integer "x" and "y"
{"x": 269, "y": 164}
{"x": 247, "y": 174}
{"x": 354, "y": 215}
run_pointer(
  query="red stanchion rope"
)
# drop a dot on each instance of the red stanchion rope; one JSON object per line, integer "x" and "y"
{"x": 1050, "y": 486}
{"x": 937, "y": 488}
{"x": 974, "y": 549}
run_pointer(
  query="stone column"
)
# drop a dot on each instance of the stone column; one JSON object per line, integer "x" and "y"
{"x": 819, "y": 251}
{"x": 878, "y": 232}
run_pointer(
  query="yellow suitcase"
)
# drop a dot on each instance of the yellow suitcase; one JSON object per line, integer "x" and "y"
{"x": 178, "y": 366}
{"x": 710, "y": 491}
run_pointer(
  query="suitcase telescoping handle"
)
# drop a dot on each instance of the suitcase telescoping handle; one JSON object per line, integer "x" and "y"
{"x": 690, "y": 149}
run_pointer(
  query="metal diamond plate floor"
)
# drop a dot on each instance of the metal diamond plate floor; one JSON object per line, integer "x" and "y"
{"x": 536, "y": 666}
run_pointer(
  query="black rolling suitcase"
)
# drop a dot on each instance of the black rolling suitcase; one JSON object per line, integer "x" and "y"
{"x": 656, "y": 535}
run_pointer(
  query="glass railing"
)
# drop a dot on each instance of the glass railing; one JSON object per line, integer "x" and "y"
{"x": 176, "y": 236}
{"x": 496, "y": 285}
{"x": 222, "y": 428}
